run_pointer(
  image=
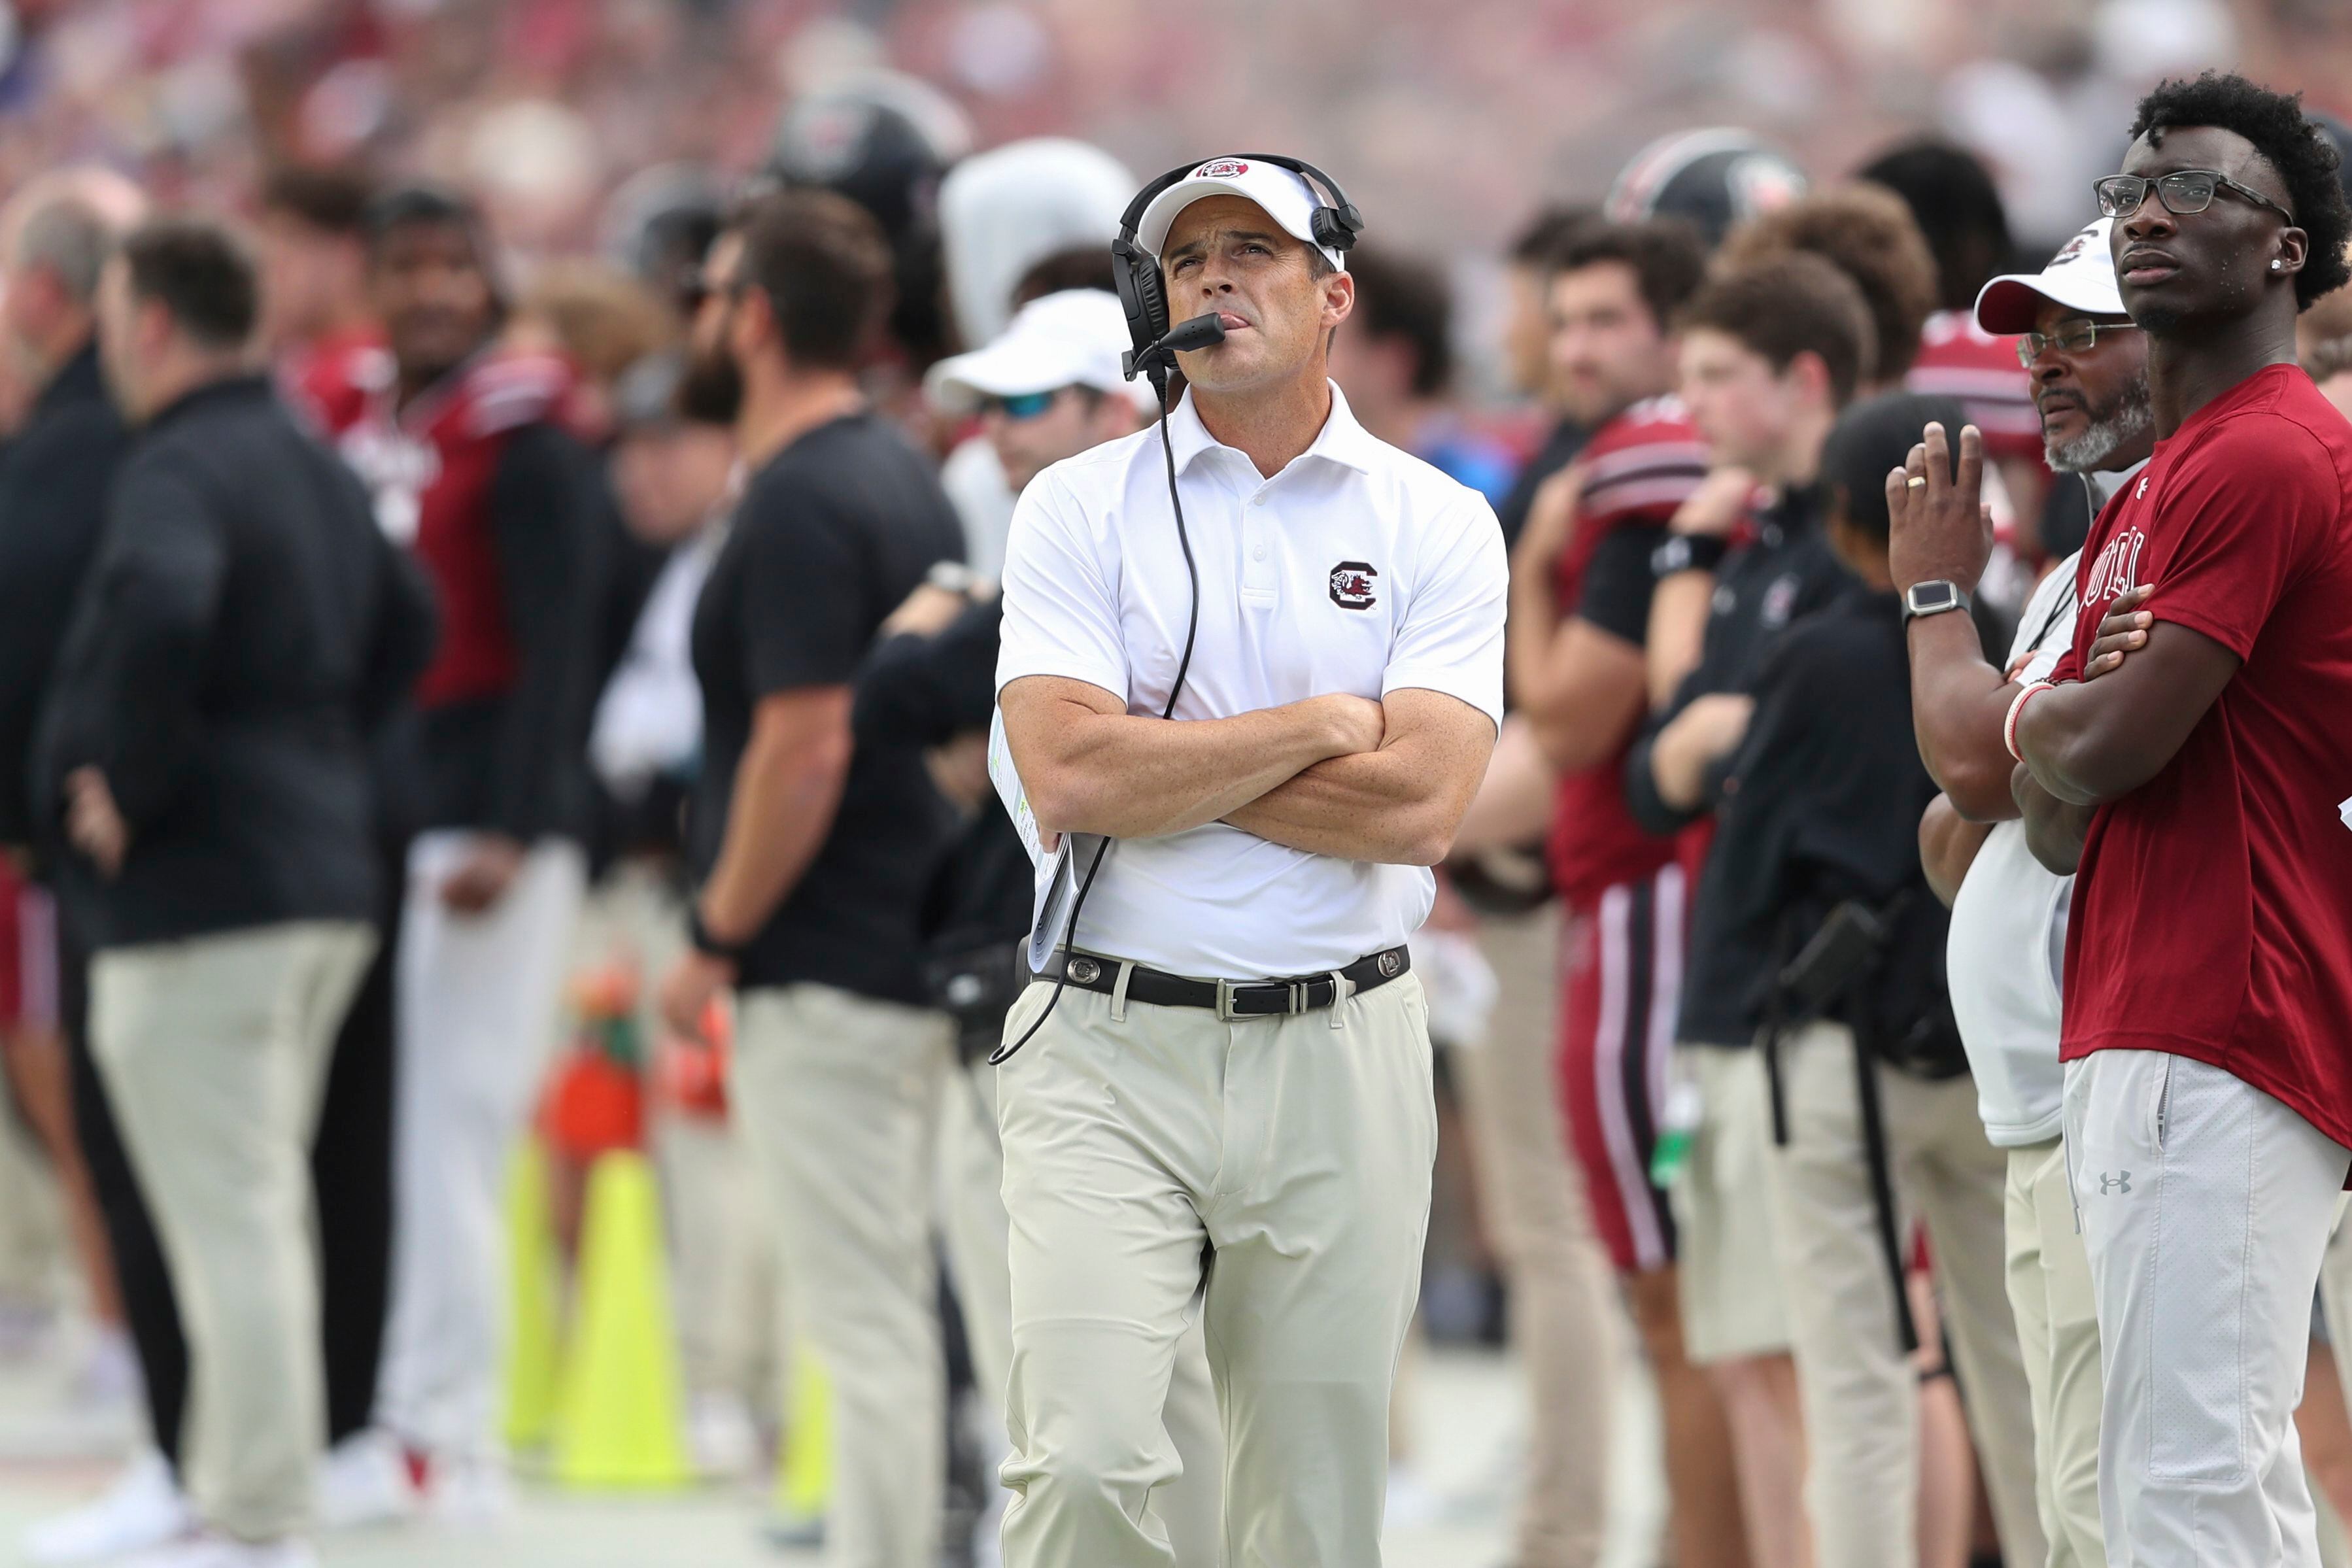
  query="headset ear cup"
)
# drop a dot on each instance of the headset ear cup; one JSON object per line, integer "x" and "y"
{"x": 1139, "y": 293}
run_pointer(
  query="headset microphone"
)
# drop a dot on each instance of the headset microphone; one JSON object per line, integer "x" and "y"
{"x": 1201, "y": 332}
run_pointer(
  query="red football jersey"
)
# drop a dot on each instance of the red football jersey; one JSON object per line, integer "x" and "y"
{"x": 1957, "y": 359}
{"x": 1639, "y": 467}
{"x": 2213, "y": 914}
{"x": 429, "y": 467}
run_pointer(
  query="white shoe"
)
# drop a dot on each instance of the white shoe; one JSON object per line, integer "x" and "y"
{"x": 209, "y": 1548}
{"x": 363, "y": 1480}
{"x": 470, "y": 1494}
{"x": 142, "y": 1508}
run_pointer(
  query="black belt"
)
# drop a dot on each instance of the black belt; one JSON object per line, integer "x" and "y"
{"x": 1228, "y": 998}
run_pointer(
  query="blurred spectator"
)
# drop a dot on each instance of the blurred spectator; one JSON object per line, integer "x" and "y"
{"x": 1582, "y": 588}
{"x": 462, "y": 445}
{"x": 1958, "y": 207}
{"x": 1528, "y": 353}
{"x": 1395, "y": 362}
{"x": 660, "y": 226}
{"x": 314, "y": 264}
{"x": 1867, "y": 233}
{"x": 810, "y": 852}
{"x": 244, "y": 627}
{"x": 2323, "y": 341}
{"x": 1005, "y": 210}
{"x": 1874, "y": 1112}
{"x": 1769, "y": 354}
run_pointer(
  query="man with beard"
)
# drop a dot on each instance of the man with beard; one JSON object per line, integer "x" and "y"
{"x": 463, "y": 449}
{"x": 811, "y": 851}
{"x": 2187, "y": 764}
{"x": 2089, "y": 368}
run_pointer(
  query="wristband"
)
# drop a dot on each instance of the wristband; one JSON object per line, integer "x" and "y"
{"x": 2016, "y": 711}
{"x": 704, "y": 942}
{"x": 1688, "y": 552}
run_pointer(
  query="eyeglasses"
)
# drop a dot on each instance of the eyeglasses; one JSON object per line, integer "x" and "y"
{"x": 2075, "y": 338}
{"x": 2182, "y": 192}
{"x": 1021, "y": 406}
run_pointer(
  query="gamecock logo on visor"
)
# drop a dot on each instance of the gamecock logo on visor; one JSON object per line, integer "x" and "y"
{"x": 1222, "y": 169}
{"x": 1351, "y": 585}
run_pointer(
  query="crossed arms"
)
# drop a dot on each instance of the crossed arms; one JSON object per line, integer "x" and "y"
{"x": 1338, "y": 776}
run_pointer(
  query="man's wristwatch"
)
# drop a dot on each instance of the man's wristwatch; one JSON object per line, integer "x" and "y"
{"x": 1932, "y": 598}
{"x": 951, "y": 577}
{"x": 1688, "y": 552}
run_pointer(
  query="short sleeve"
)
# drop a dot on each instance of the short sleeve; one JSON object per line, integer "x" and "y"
{"x": 802, "y": 624}
{"x": 1619, "y": 583}
{"x": 1061, "y": 617}
{"x": 1452, "y": 636}
{"x": 2236, "y": 514}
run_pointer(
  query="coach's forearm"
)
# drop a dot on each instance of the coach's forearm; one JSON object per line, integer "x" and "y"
{"x": 1399, "y": 805}
{"x": 1128, "y": 777}
{"x": 1959, "y": 705}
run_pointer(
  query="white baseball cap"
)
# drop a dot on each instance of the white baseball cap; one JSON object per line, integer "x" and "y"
{"x": 1284, "y": 194}
{"x": 2081, "y": 277}
{"x": 1073, "y": 338}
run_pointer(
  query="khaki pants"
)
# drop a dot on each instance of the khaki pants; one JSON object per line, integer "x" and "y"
{"x": 2058, "y": 1332}
{"x": 1297, "y": 1150}
{"x": 1563, "y": 1296}
{"x": 1860, "y": 1395}
{"x": 1729, "y": 1275}
{"x": 979, "y": 1238}
{"x": 215, "y": 1050}
{"x": 838, "y": 1097}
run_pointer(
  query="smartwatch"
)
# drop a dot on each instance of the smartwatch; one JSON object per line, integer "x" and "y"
{"x": 1688, "y": 552}
{"x": 1932, "y": 598}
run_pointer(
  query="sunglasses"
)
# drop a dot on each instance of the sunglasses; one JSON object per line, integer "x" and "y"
{"x": 2075, "y": 338}
{"x": 1021, "y": 406}
{"x": 2183, "y": 192}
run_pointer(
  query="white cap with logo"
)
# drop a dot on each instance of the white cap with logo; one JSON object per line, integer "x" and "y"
{"x": 1286, "y": 196}
{"x": 1073, "y": 338}
{"x": 2081, "y": 277}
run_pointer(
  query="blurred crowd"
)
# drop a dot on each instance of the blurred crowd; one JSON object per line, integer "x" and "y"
{"x": 554, "y": 693}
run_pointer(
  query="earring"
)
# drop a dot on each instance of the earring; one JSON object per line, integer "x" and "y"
{"x": 2276, "y": 265}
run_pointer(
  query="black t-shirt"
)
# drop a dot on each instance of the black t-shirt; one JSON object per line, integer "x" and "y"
{"x": 830, "y": 535}
{"x": 1619, "y": 583}
{"x": 1559, "y": 450}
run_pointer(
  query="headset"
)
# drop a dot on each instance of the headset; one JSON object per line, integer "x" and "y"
{"x": 1156, "y": 344}
{"x": 1135, "y": 272}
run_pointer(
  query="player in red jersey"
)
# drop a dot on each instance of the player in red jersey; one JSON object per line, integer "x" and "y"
{"x": 1580, "y": 586}
{"x": 2188, "y": 765}
{"x": 465, "y": 450}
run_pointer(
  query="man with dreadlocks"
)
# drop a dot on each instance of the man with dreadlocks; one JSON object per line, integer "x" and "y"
{"x": 2187, "y": 761}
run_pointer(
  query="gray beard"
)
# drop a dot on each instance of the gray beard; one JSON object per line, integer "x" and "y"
{"x": 2131, "y": 417}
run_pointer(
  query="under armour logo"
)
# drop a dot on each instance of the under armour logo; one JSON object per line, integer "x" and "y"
{"x": 2116, "y": 1183}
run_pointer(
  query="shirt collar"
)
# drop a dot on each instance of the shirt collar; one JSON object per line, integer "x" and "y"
{"x": 1341, "y": 440}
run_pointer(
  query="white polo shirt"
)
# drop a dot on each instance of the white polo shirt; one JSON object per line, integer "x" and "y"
{"x": 1358, "y": 568}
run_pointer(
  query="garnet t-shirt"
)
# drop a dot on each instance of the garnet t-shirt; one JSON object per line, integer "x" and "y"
{"x": 2213, "y": 914}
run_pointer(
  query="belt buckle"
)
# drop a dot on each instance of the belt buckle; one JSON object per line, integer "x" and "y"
{"x": 1225, "y": 1014}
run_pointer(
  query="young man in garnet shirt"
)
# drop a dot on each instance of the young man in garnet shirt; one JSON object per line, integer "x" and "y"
{"x": 2188, "y": 765}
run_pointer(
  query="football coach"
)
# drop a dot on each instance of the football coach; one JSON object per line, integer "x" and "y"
{"x": 1251, "y": 674}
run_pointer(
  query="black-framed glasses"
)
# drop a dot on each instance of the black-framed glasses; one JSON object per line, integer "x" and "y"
{"x": 2073, "y": 338}
{"x": 2183, "y": 192}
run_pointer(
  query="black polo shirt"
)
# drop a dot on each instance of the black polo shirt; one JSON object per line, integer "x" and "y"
{"x": 832, "y": 535}
{"x": 1765, "y": 588}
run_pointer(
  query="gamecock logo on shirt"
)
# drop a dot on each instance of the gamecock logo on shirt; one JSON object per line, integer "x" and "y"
{"x": 1351, "y": 585}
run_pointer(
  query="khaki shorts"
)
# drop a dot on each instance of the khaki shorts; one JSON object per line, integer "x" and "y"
{"x": 1732, "y": 1304}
